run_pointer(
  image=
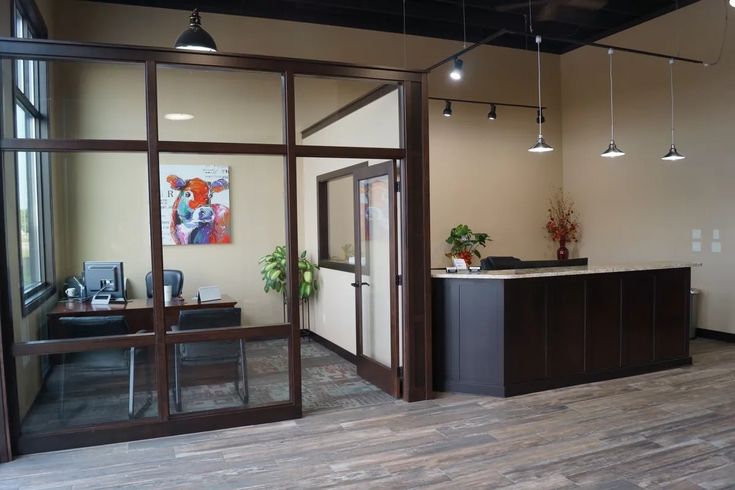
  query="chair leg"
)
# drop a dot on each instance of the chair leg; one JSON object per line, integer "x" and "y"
{"x": 131, "y": 384}
{"x": 177, "y": 381}
{"x": 245, "y": 396}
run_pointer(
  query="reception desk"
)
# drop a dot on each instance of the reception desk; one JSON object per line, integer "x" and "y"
{"x": 512, "y": 332}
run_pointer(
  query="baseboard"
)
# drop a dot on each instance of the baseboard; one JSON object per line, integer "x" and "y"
{"x": 716, "y": 335}
{"x": 343, "y": 353}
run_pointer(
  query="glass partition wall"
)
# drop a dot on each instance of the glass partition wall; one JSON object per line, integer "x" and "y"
{"x": 167, "y": 180}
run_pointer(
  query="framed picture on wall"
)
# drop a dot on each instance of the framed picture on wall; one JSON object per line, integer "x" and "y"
{"x": 195, "y": 204}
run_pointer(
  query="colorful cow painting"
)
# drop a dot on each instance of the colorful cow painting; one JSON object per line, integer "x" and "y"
{"x": 194, "y": 218}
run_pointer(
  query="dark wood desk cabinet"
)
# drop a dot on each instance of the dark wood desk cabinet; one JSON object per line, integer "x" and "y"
{"x": 507, "y": 337}
{"x": 137, "y": 312}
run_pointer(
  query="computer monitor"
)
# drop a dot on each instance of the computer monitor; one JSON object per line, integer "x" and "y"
{"x": 106, "y": 277}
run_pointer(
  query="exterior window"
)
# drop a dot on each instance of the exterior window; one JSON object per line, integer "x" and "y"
{"x": 32, "y": 175}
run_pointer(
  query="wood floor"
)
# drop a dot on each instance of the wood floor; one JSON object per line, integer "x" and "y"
{"x": 674, "y": 429}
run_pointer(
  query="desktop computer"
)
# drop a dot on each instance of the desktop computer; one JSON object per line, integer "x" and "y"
{"x": 104, "y": 279}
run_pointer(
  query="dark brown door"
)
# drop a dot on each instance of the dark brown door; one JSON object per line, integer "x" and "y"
{"x": 375, "y": 276}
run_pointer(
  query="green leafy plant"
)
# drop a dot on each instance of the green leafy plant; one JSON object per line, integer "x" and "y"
{"x": 273, "y": 272}
{"x": 464, "y": 243}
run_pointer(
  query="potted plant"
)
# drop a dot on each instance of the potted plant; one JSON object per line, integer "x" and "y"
{"x": 464, "y": 243}
{"x": 562, "y": 226}
{"x": 273, "y": 272}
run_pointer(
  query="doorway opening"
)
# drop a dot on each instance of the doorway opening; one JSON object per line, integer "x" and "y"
{"x": 349, "y": 220}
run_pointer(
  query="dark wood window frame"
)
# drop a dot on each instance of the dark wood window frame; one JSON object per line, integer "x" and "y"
{"x": 322, "y": 205}
{"x": 414, "y": 174}
{"x": 26, "y": 11}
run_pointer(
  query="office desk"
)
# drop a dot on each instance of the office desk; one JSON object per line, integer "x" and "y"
{"x": 137, "y": 312}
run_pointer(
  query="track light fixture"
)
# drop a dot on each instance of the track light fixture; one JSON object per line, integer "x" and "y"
{"x": 612, "y": 150}
{"x": 492, "y": 115}
{"x": 195, "y": 38}
{"x": 540, "y": 119}
{"x": 541, "y": 146}
{"x": 673, "y": 154}
{"x": 456, "y": 73}
{"x": 447, "y": 109}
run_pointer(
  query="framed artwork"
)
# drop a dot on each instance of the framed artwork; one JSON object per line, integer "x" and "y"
{"x": 195, "y": 204}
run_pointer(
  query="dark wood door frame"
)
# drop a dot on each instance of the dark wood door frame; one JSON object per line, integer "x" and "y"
{"x": 415, "y": 228}
{"x": 386, "y": 378}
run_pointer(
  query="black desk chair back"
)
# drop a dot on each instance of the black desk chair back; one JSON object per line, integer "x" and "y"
{"x": 212, "y": 352}
{"x": 107, "y": 360}
{"x": 171, "y": 277}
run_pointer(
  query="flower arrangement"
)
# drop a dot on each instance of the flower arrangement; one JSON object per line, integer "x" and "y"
{"x": 562, "y": 225}
{"x": 464, "y": 243}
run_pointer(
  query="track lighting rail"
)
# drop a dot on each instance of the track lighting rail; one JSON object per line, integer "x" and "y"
{"x": 487, "y": 102}
{"x": 502, "y": 32}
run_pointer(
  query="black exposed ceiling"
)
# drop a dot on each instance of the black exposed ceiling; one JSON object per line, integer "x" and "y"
{"x": 579, "y": 20}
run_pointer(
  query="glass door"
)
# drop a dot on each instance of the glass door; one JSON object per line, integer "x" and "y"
{"x": 375, "y": 276}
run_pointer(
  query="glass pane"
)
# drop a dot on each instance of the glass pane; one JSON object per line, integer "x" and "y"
{"x": 341, "y": 220}
{"x": 88, "y": 100}
{"x": 86, "y": 388}
{"x": 30, "y": 225}
{"x": 101, "y": 229}
{"x": 221, "y": 214}
{"x": 228, "y": 374}
{"x": 232, "y": 106}
{"x": 374, "y": 218}
{"x": 344, "y": 112}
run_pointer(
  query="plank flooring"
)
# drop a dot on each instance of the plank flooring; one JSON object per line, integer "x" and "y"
{"x": 672, "y": 429}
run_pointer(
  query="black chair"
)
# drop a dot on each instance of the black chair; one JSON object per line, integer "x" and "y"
{"x": 171, "y": 277}
{"x": 210, "y": 352}
{"x": 108, "y": 360}
{"x": 495, "y": 263}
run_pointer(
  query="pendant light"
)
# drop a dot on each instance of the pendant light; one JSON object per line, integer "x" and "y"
{"x": 447, "y": 109}
{"x": 612, "y": 150}
{"x": 673, "y": 154}
{"x": 195, "y": 38}
{"x": 540, "y": 146}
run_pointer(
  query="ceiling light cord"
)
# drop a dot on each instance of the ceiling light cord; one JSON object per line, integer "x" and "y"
{"x": 464, "y": 27}
{"x": 671, "y": 83}
{"x": 538, "y": 71}
{"x": 612, "y": 110}
{"x": 405, "y": 55}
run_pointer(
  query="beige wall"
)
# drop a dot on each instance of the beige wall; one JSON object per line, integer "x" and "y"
{"x": 639, "y": 207}
{"x": 482, "y": 174}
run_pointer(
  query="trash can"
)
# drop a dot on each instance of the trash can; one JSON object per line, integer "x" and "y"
{"x": 693, "y": 312}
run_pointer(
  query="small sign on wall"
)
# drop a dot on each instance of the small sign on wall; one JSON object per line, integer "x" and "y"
{"x": 195, "y": 204}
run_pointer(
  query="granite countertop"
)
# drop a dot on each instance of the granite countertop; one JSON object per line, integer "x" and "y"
{"x": 562, "y": 271}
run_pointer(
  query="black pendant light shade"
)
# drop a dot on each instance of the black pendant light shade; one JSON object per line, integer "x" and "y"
{"x": 540, "y": 119}
{"x": 447, "y": 109}
{"x": 195, "y": 38}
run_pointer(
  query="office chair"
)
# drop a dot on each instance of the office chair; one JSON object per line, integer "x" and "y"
{"x": 171, "y": 277}
{"x": 101, "y": 360}
{"x": 202, "y": 353}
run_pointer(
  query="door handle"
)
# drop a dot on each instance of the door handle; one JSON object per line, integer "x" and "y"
{"x": 355, "y": 285}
